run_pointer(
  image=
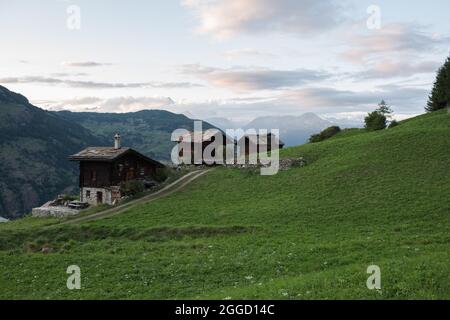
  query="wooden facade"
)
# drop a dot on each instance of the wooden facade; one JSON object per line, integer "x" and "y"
{"x": 249, "y": 144}
{"x": 244, "y": 147}
{"x": 104, "y": 170}
{"x": 188, "y": 144}
{"x": 99, "y": 174}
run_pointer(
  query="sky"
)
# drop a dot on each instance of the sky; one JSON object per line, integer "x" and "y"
{"x": 235, "y": 59}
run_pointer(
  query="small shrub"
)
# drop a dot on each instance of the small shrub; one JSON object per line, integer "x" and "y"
{"x": 31, "y": 247}
{"x": 67, "y": 246}
{"x": 375, "y": 121}
{"x": 161, "y": 174}
{"x": 393, "y": 124}
{"x": 315, "y": 138}
{"x": 68, "y": 197}
{"x": 250, "y": 172}
{"x": 131, "y": 188}
{"x": 325, "y": 134}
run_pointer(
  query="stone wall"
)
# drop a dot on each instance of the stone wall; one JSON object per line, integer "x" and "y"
{"x": 89, "y": 195}
{"x": 53, "y": 211}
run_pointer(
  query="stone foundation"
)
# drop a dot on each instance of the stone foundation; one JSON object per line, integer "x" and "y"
{"x": 96, "y": 196}
{"x": 53, "y": 211}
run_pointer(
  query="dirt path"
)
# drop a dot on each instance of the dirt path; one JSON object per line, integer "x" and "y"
{"x": 164, "y": 192}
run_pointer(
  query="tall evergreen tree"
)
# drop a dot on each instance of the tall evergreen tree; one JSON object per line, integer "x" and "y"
{"x": 384, "y": 109}
{"x": 440, "y": 95}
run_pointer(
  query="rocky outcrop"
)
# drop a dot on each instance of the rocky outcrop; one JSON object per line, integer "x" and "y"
{"x": 47, "y": 210}
{"x": 284, "y": 164}
{"x": 287, "y": 163}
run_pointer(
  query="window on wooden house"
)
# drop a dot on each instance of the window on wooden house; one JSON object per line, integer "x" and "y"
{"x": 93, "y": 175}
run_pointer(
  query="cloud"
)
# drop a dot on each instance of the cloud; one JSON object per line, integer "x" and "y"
{"x": 115, "y": 104}
{"x": 85, "y": 64}
{"x": 96, "y": 85}
{"x": 329, "y": 99}
{"x": 395, "y": 39}
{"x": 224, "y": 19}
{"x": 325, "y": 100}
{"x": 246, "y": 53}
{"x": 80, "y": 101}
{"x": 356, "y": 118}
{"x": 247, "y": 79}
{"x": 128, "y": 104}
{"x": 67, "y": 74}
{"x": 387, "y": 68}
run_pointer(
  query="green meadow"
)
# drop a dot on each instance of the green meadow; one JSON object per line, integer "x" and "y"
{"x": 364, "y": 198}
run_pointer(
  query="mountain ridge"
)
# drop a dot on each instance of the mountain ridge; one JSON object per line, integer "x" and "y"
{"x": 147, "y": 131}
{"x": 35, "y": 144}
{"x": 294, "y": 130}
{"x": 34, "y": 148}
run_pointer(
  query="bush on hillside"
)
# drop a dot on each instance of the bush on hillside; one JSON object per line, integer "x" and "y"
{"x": 133, "y": 187}
{"x": 325, "y": 134}
{"x": 375, "y": 121}
{"x": 69, "y": 197}
{"x": 393, "y": 124}
{"x": 161, "y": 174}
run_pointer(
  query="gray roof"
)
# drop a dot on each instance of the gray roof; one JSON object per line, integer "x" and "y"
{"x": 202, "y": 136}
{"x": 108, "y": 154}
{"x": 99, "y": 153}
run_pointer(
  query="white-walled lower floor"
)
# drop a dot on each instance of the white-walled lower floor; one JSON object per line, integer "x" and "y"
{"x": 96, "y": 196}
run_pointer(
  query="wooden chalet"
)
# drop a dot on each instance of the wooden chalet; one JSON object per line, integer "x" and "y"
{"x": 252, "y": 143}
{"x": 103, "y": 170}
{"x": 198, "y": 142}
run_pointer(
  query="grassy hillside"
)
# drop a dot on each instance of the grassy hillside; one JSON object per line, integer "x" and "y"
{"x": 365, "y": 198}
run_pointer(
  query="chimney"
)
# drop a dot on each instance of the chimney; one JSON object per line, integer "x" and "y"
{"x": 117, "y": 141}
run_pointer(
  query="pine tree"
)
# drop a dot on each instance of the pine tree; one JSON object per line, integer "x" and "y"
{"x": 440, "y": 95}
{"x": 384, "y": 109}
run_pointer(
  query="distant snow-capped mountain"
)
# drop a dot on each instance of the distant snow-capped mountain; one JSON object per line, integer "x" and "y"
{"x": 294, "y": 130}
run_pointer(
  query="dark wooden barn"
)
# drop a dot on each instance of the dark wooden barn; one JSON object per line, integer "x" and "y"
{"x": 103, "y": 170}
{"x": 255, "y": 144}
{"x": 191, "y": 143}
